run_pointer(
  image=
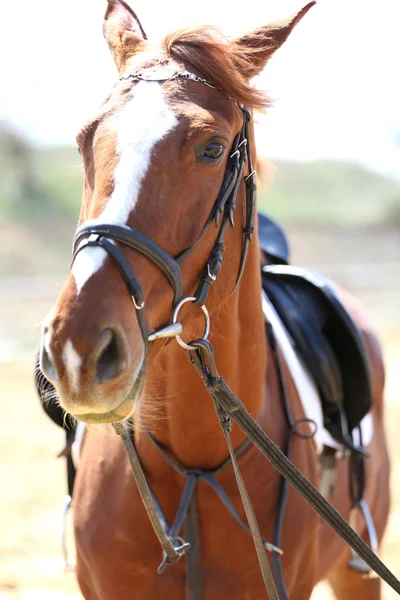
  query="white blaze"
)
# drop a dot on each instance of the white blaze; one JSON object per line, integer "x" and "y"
{"x": 143, "y": 122}
{"x": 73, "y": 363}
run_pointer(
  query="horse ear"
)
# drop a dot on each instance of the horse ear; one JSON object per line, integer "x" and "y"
{"x": 123, "y": 32}
{"x": 256, "y": 47}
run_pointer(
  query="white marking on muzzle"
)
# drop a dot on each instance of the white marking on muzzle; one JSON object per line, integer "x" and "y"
{"x": 46, "y": 343}
{"x": 51, "y": 371}
{"x": 73, "y": 363}
{"x": 143, "y": 122}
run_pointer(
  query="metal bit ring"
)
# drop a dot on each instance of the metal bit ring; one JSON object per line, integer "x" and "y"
{"x": 175, "y": 320}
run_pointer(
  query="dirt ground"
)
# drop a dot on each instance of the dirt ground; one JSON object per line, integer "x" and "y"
{"x": 33, "y": 484}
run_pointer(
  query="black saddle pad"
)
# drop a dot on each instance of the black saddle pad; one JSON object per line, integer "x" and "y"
{"x": 328, "y": 342}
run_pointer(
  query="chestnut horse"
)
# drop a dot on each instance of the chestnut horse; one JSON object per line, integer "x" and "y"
{"x": 155, "y": 156}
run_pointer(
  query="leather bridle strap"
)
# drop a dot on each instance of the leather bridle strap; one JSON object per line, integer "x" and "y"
{"x": 223, "y": 210}
{"x": 171, "y": 552}
{"x": 249, "y": 510}
{"x": 208, "y": 477}
{"x": 133, "y": 285}
{"x": 94, "y": 234}
{"x": 137, "y": 241}
{"x": 172, "y": 545}
{"x": 251, "y": 189}
{"x": 227, "y": 403}
{"x": 225, "y": 422}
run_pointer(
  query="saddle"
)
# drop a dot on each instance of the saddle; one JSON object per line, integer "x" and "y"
{"x": 323, "y": 334}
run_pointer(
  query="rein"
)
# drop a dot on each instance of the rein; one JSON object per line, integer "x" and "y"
{"x": 201, "y": 356}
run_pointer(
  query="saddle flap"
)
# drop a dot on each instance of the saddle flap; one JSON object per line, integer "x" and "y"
{"x": 328, "y": 342}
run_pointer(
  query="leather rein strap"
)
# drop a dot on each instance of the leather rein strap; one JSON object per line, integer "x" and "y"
{"x": 227, "y": 406}
{"x": 248, "y": 508}
{"x": 172, "y": 552}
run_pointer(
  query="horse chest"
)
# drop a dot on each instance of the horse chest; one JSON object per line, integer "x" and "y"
{"x": 118, "y": 553}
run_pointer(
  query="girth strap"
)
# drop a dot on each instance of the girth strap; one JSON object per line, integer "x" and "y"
{"x": 191, "y": 532}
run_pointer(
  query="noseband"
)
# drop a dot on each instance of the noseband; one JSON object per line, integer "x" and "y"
{"x": 97, "y": 234}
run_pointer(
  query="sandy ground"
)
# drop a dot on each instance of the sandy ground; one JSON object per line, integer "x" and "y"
{"x": 33, "y": 485}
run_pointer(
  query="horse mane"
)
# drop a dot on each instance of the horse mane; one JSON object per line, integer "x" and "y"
{"x": 217, "y": 59}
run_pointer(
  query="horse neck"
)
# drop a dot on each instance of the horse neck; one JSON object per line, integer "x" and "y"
{"x": 176, "y": 407}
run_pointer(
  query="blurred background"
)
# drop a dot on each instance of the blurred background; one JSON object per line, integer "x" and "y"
{"x": 333, "y": 141}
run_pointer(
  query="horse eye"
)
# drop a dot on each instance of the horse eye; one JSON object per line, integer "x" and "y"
{"x": 213, "y": 151}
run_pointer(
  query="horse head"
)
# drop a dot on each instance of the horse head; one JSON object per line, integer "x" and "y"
{"x": 156, "y": 161}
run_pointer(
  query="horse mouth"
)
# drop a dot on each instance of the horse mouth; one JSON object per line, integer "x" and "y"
{"x": 124, "y": 410}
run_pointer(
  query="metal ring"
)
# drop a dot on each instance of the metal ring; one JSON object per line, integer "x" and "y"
{"x": 175, "y": 320}
{"x": 136, "y": 305}
{"x": 305, "y": 436}
{"x": 211, "y": 276}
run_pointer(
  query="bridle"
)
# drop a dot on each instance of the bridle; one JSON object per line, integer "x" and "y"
{"x": 222, "y": 215}
{"x": 201, "y": 356}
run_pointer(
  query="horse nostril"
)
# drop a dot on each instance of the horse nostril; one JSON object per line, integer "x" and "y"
{"x": 112, "y": 357}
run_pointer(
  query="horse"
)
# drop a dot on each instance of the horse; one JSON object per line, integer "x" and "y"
{"x": 156, "y": 157}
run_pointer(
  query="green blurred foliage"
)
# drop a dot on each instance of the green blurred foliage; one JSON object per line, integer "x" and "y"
{"x": 37, "y": 182}
{"x": 331, "y": 193}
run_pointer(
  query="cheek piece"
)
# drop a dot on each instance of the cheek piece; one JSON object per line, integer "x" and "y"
{"x": 222, "y": 215}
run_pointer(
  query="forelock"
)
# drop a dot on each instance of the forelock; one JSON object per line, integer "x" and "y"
{"x": 217, "y": 60}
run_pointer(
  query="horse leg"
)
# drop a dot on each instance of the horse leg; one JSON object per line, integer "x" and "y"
{"x": 348, "y": 585}
{"x": 345, "y": 583}
{"x": 85, "y": 586}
